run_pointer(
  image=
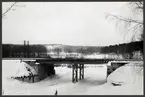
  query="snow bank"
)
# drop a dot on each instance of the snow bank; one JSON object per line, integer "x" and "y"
{"x": 101, "y": 56}
{"x": 18, "y": 68}
{"x": 93, "y": 56}
{"x": 23, "y": 69}
{"x": 129, "y": 76}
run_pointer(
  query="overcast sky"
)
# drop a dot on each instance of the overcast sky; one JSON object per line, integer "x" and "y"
{"x": 72, "y": 23}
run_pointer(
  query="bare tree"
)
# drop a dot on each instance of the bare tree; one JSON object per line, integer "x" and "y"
{"x": 11, "y": 8}
{"x": 130, "y": 24}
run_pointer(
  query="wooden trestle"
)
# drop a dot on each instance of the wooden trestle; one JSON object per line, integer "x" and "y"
{"x": 77, "y": 65}
{"x": 75, "y": 68}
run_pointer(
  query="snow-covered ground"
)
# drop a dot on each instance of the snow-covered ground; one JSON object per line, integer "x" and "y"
{"x": 16, "y": 68}
{"x": 88, "y": 56}
{"x": 95, "y": 82}
{"x": 131, "y": 78}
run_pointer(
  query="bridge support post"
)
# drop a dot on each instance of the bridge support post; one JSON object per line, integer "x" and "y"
{"x": 82, "y": 71}
{"x": 81, "y": 76}
{"x": 74, "y": 73}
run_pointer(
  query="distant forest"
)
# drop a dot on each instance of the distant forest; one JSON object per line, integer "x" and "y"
{"x": 126, "y": 48}
{"x": 12, "y": 50}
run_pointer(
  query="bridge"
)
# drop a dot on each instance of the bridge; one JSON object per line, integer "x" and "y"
{"x": 77, "y": 65}
{"x": 46, "y": 65}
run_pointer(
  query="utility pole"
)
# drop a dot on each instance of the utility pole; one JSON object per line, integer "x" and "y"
{"x": 28, "y": 51}
{"x": 25, "y": 54}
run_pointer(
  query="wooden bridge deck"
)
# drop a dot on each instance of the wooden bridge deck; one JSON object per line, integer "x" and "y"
{"x": 74, "y": 61}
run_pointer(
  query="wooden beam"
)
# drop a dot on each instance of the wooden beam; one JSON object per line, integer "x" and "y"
{"x": 80, "y": 66}
{"x": 76, "y": 65}
{"x": 73, "y": 73}
{"x": 82, "y": 71}
{"x": 74, "y": 61}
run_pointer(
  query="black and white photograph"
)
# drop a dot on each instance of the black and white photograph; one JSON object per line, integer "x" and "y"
{"x": 72, "y": 48}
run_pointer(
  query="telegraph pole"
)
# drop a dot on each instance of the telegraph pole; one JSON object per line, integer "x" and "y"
{"x": 24, "y": 49}
{"x": 28, "y": 51}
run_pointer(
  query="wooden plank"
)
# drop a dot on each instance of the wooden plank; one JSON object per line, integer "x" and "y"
{"x": 73, "y": 73}
{"x": 76, "y": 65}
{"x": 79, "y": 61}
{"x": 80, "y": 67}
{"x": 82, "y": 71}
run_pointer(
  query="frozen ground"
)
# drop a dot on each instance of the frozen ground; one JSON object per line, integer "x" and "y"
{"x": 94, "y": 83}
{"x": 131, "y": 78}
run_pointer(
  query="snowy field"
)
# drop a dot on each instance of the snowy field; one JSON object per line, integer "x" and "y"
{"x": 94, "y": 82}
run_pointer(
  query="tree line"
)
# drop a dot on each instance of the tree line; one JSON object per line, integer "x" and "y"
{"x": 11, "y": 50}
{"x": 126, "y": 48}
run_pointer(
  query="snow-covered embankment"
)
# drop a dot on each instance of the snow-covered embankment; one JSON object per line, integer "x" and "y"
{"x": 126, "y": 80}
